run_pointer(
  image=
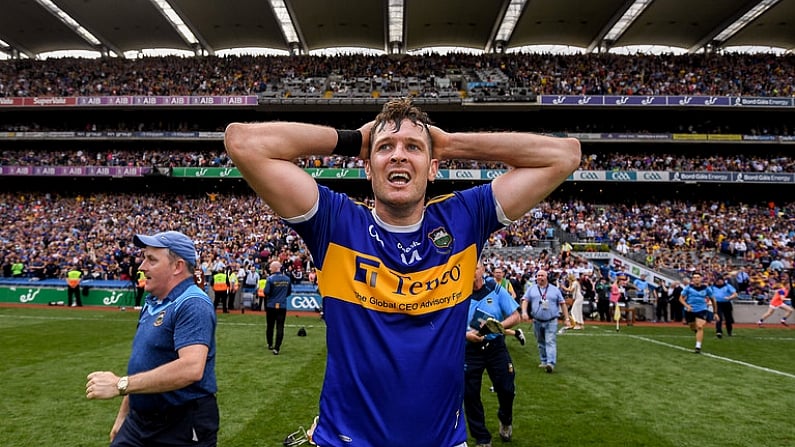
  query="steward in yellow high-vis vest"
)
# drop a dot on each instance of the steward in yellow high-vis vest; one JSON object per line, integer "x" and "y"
{"x": 261, "y": 293}
{"x": 221, "y": 289}
{"x": 261, "y": 287}
{"x": 73, "y": 287}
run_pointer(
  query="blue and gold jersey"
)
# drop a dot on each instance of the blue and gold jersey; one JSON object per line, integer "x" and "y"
{"x": 395, "y": 301}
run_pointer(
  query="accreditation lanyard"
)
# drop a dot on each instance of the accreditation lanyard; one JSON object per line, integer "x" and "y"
{"x": 544, "y": 304}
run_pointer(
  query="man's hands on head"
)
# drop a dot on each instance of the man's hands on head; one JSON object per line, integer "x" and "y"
{"x": 365, "y": 130}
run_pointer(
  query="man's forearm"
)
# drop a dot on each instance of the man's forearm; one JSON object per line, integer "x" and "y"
{"x": 526, "y": 150}
{"x": 278, "y": 140}
{"x": 512, "y": 320}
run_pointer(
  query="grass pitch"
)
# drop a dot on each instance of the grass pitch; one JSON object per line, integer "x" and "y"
{"x": 641, "y": 386}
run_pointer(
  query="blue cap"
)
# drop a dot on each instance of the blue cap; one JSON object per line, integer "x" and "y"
{"x": 175, "y": 241}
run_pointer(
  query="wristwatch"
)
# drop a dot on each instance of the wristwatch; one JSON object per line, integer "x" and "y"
{"x": 121, "y": 385}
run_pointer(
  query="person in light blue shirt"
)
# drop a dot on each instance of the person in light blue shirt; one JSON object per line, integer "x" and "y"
{"x": 642, "y": 288}
{"x": 723, "y": 293}
{"x": 544, "y": 302}
{"x": 696, "y": 299}
{"x": 743, "y": 280}
{"x": 776, "y": 265}
{"x": 487, "y": 351}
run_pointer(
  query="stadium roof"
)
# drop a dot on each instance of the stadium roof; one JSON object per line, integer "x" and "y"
{"x": 32, "y": 27}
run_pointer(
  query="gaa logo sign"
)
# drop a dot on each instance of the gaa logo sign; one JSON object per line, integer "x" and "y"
{"x": 620, "y": 176}
{"x": 653, "y": 176}
{"x": 587, "y": 175}
{"x": 463, "y": 173}
{"x": 304, "y": 302}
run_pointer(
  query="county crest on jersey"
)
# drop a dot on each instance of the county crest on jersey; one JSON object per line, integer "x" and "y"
{"x": 395, "y": 306}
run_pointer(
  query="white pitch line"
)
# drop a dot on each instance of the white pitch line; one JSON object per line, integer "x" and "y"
{"x": 717, "y": 357}
{"x": 613, "y": 333}
{"x": 705, "y": 354}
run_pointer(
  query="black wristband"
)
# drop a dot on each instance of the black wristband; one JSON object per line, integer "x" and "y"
{"x": 349, "y": 143}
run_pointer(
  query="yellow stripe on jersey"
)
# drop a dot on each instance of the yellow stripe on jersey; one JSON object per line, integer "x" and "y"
{"x": 438, "y": 199}
{"x": 381, "y": 289}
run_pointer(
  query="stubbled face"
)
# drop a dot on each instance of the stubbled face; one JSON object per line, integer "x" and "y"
{"x": 399, "y": 167}
{"x": 159, "y": 269}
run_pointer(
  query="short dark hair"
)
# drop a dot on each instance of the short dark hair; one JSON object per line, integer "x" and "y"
{"x": 397, "y": 110}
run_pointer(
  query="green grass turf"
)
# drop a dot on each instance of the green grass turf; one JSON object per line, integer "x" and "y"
{"x": 638, "y": 387}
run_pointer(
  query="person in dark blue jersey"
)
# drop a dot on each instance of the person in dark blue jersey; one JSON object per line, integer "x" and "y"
{"x": 277, "y": 289}
{"x": 168, "y": 393}
{"x": 395, "y": 278}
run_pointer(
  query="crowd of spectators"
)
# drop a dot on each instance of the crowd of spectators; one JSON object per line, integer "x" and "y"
{"x": 430, "y": 75}
{"x": 747, "y": 162}
{"x": 50, "y": 234}
{"x": 639, "y": 126}
{"x": 772, "y": 162}
{"x": 164, "y": 158}
{"x": 675, "y": 238}
{"x": 685, "y": 237}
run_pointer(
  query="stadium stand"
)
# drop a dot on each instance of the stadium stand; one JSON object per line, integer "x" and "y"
{"x": 430, "y": 76}
{"x": 708, "y": 183}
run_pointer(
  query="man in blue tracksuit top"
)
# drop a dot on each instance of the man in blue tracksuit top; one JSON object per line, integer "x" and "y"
{"x": 277, "y": 289}
{"x": 487, "y": 351}
{"x": 724, "y": 293}
{"x": 170, "y": 385}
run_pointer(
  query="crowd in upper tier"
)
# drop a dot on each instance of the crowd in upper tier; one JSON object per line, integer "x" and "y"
{"x": 613, "y": 161}
{"x": 48, "y": 233}
{"x": 434, "y": 75}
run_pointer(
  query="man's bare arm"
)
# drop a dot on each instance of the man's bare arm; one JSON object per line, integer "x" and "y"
{"x": 265, "y": 154}
{"x": 539, "y": 163}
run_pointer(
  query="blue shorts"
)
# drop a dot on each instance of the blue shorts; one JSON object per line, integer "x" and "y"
{"x": 192, "y": 424}
{"x": 690, "y": 317}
